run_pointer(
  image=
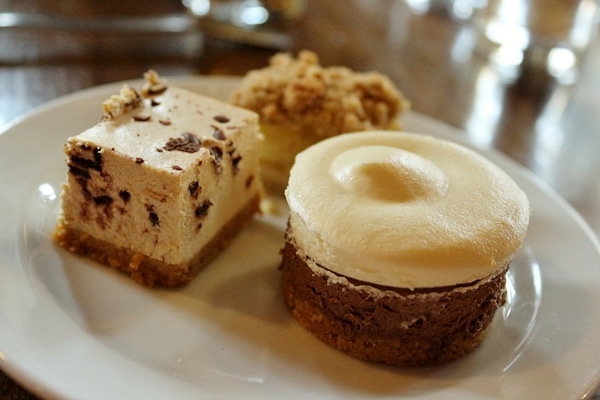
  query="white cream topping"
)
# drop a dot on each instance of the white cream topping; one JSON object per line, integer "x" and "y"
{"x": 388, "y": 173}
{"x": 404, "y": 210}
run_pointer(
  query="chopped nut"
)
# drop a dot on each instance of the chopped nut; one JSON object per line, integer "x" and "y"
{"x": 117, "y": 105}
{"x": 154, "y": 85}
{"x": 299, "y": 93}
{"x": 135, "y": 261}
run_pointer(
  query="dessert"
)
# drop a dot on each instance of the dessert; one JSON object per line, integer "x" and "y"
{"x": 162, "y": 184}
{"x": 300, "y": 102}
{"x": 398, "y": 244}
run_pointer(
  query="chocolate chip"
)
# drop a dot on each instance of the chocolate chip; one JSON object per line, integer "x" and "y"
{"x": 202, "y": 210}
{"x": 79, "y": 171}
{"x": 141, "y": 118}
{"x": 97, "y": 154}
{"x": 217, "y": 153}
{"x": 125, "y": 195}
{"x": 218, "y": 133}
{"x": 153, "y": 216}
{"x": 249, "y": 181}
{"x": 194, "y": 189}
{"x": 139, "y": 160}
{"x": 82, "y": 181}
{"x": 154, "y": 219}
{"x": 154, "y": 103}
{"x": 177, "y": 168}
{"x": 165, "y": 122}
{"x": 86, "y": 163}
{"x": 188, "y": 142}
{"x": 103, "y": 200}
{"x": 234, "y": 162}
{"x": 221, "y": 118}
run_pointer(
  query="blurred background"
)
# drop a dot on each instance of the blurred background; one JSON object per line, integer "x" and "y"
{"x": 518, "y": 76}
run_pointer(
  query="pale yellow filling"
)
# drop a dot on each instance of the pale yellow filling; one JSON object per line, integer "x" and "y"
{"x": 279, "y": 148}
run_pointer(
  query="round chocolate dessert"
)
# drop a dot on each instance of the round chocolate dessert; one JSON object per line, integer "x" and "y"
{"x": 398, "y": 245}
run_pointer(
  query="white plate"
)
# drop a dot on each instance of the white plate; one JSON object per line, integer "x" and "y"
{"x": 72, "y": 329}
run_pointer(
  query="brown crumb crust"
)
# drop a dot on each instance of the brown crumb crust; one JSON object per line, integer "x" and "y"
{"x": 299, "y": 94}
{"x": 398, "y": 329}
{"x": 151, "y": 272}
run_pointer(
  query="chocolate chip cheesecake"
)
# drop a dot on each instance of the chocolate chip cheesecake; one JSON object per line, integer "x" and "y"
{"x": 162, "y": 184}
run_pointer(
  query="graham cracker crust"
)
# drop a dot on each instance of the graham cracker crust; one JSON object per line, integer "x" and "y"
{"x": 147, "y": 271}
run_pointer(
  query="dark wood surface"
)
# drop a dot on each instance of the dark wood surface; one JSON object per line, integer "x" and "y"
{"x": 551, "y": 129}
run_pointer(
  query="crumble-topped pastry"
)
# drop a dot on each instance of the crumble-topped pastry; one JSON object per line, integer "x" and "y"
{"x": 162, "y": 185}
{"x": 300, "y": 102}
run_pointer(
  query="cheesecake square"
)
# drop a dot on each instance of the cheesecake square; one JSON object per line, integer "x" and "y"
{"x": 162, "y": 185}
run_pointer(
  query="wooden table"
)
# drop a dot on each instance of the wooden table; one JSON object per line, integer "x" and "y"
{"x": 551, "y": 129}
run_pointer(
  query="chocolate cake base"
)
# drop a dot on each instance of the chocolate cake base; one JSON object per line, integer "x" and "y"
{"x": 398, "y": 327}
{"x": 147, "y": 271}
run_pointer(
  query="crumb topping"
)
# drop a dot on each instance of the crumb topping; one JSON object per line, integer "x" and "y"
{"x": 128, "y": 98}
{"x": 119, "y": 104}
{"x": 154, "y": 84}
{"x": 213, "y": 139}
{"x": 326, "y": 101}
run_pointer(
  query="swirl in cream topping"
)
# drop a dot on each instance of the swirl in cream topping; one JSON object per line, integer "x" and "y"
{"x": 404, "y": 210}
